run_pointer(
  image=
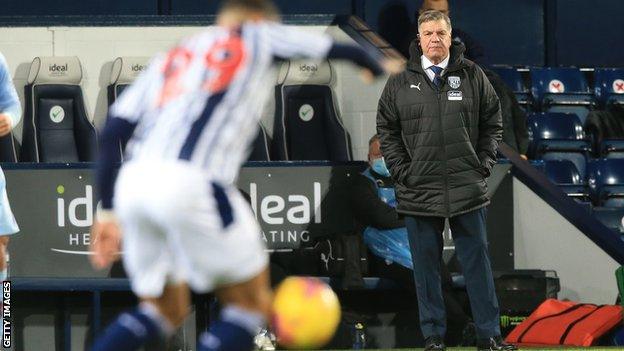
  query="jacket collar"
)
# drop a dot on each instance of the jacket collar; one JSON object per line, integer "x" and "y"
{"x": 425, "y": 63}
{"x": 456, "y": 60}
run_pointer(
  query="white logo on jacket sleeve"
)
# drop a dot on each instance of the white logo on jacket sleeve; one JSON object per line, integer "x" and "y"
{"x": 454, "y": 82}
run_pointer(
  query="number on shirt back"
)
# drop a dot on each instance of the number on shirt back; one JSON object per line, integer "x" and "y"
{"x": 177, "y": 63}
{"x": 221, "y": 61}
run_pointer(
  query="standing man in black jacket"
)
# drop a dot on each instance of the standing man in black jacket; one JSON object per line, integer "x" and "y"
{"x": 373, "y": 201}
{"x": 440, "y": 124}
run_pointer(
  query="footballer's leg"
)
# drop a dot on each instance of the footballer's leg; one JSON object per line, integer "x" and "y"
{"x": 172, "y": 306}
{"x": 253, "y": 295}
{"x": 246, "y": 309}
{"x": 148, "y": 260}
{"x": 154, "y": 319}
{"x": 224, "y": 252}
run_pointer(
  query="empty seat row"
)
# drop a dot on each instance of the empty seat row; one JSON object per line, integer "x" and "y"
{"x": 604, "y": 185}
{"x": 602, "y": 196}
{"x": 612, "y": 217}
{"x": 57, "y": 129}
{"x": 558, "y": 135}
{"x": 559, "y": 89}
{"x": 567, "y": 177}
{"x": 606, "y": 182}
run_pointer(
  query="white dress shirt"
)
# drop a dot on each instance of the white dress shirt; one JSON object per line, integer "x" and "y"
{"x": 426, "y": 65}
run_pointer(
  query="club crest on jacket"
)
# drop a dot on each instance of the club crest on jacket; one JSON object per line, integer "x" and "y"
{"x": 454, "y": 82}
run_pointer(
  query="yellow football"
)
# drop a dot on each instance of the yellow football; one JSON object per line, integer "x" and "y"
{"x": 306, "y": 313}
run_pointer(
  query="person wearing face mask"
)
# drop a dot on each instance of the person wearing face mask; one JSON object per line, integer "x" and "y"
{"x": 373, "y": 202}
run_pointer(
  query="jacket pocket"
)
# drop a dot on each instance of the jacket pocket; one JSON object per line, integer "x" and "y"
{"x": 476, "y": 163}
{"x": 474, "y": 159}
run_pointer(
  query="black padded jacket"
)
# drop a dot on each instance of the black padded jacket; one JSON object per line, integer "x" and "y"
{"x": 440, "y": 143}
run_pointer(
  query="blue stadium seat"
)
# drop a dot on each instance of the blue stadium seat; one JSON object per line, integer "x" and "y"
{"x": 609, "y": 85}
{"x": 558, "y": 136}
{"x": 562, "y": 90}
{"x": 514, "y": 80}
{"x": 565, "y": 175}
{"x": 56, "y": 125}
{"x": 307, "y": 125}
{"x": 612, "y": 148}
{"x": 606, "y": 182}
{"x": 610, "y": 217}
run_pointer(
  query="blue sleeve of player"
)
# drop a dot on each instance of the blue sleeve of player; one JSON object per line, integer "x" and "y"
{"x": 123, "y": 118}
{"x": 115, "y": 131}
{"x": 9, "y": 101}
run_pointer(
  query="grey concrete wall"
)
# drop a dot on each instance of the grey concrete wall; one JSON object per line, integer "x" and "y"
{"x": 545, "y": 240}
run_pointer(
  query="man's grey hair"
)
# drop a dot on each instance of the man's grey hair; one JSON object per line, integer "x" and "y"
{"x": 434, "y": 15}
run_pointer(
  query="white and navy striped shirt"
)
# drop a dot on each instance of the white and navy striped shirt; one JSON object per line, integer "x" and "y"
{"x": 202, "y": 101}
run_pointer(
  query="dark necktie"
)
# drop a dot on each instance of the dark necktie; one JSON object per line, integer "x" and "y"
{"x": 437, "y": 80}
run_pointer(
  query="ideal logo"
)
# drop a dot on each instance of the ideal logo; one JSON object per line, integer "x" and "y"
{"x": 299, "y": 209}
{"x": 57, "y": 70}
{"x": 310, "y": 68}
{"x": 138, "y": 68}
{"x": 79, "y": 210}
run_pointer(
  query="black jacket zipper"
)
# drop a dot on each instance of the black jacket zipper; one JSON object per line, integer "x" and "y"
{"x": 444, "y": 160}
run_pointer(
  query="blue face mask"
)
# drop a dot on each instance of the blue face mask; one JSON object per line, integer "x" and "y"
{"x": 379, "y": 166}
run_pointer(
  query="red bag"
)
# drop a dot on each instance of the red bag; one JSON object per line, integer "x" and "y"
{"x": 557, "y": 322}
